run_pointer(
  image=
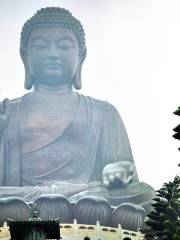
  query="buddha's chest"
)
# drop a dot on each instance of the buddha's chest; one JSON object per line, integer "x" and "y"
{"x": 43, "y": 122}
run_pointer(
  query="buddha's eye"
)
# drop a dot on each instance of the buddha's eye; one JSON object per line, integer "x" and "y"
{"x": 38, "y": 44}
{"x": 64, "y": 46}
{"x": 39, "y": 47}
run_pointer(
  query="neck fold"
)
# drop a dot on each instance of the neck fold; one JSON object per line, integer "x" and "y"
{"x": 54, "y": 91}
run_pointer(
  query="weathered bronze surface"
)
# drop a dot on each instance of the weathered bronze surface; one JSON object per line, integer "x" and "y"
{"x": 55, "y": 140}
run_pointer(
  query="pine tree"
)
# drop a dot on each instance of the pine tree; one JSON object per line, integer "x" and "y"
{"x": 177, "y": 128}
{"x": 176, "y": 236}
{"x": 164, "y": 219}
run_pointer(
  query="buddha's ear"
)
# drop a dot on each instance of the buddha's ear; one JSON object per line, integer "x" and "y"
{"x": 77, "y": 78}
{"x": 28, "y": 83}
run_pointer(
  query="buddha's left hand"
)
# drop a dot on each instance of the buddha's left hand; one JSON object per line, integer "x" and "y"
{"x": 118, "y": 174}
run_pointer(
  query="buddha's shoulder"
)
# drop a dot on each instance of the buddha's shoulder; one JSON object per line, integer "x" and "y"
{"x": 100, "y": 105}
{"x": 16, "y": 101}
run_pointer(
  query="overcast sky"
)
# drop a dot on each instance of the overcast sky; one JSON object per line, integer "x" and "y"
{"x": 133, "y": 62}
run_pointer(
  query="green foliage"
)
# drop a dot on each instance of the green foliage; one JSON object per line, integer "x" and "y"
{"x": 177, "y": 112}
{"x": 164, "y": 219}
{"x": 176, "y": 236}
{"x": 177, "y": 128}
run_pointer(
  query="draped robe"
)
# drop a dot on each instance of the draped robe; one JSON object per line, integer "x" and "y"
{"x": 74, "y": 160}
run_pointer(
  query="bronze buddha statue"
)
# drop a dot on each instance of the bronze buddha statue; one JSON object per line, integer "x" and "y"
{"x": 55, "y": 140}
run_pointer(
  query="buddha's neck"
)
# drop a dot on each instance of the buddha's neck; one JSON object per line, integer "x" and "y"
{"x": 57, "y": 91}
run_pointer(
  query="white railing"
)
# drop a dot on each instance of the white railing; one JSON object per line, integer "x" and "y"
{"x": 77, "y": 231}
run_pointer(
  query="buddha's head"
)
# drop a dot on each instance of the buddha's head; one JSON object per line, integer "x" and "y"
{"x": 53, "y": 48}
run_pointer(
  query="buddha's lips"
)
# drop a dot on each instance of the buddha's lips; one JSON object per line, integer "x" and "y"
{"x": 53, "y": 65}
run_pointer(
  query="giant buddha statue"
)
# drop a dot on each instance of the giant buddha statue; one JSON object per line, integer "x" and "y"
{"x": 55, "y": 140}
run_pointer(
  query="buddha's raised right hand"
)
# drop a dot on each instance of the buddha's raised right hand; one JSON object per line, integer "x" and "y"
{"x": 4, "y": 114}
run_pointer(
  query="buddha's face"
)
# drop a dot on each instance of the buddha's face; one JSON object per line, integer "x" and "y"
{"x": 53, "y": 56}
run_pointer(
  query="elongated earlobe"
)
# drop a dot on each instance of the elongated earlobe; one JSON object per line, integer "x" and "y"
{"x": 28, "y": 79}
{"x": 77, "y": 79}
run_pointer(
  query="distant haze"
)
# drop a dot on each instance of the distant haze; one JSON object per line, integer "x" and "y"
{"x": 133, "y": 62}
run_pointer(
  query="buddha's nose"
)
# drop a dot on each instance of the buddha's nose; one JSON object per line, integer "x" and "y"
{"x": 53, "y": 53}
